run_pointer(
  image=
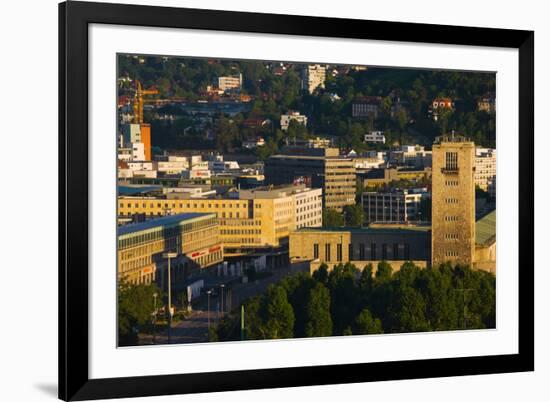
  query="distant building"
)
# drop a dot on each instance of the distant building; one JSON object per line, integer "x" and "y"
{"x": 313, "y": 77}
{"x": 391, "y": 207}
{"x": 384, "y": 176}
{"x": 194, "y": 238}
{"x": 253, "y": 143}
{"x": 291, "y": 115}
{"x": 439, "y": 104}
{"x": 487, "y": 103}
{"x": 318, "y": 168}
{"x": 134, "y": 133}
{"x": 231, "y": 82}
{"x": 375, "y": 137}
{"x": 412, "y": 156}
{"x": 486, "y": 170}
{"x": 366, "y": 106}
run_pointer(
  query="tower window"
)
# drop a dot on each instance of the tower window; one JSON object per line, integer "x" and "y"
{"x": 451, "y": 160}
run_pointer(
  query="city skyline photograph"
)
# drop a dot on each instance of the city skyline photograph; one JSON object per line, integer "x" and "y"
{"x": 262, "y": 200}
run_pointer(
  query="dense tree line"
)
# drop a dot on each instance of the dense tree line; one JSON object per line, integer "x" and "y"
{"x": 349, "y": 301}
{"x": 406, "y": 95}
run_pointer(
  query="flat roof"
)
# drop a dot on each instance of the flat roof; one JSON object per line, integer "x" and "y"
{"x": 137, "y": 189}
{"x": 370, "y": 230}
{"x": 161, "y": 222}
{"x": 486, "y": 228}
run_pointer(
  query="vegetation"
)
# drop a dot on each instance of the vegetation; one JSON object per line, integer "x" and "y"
{"x": 136, "y": 304}
{"x": 348, "y": 301}
{"x": 405, "y": 99}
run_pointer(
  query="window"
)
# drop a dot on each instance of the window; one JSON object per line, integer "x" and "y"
{"x": 395, "y": 251}
{"x": 384, "y": 251}
{"x": 361, "y": 251}
{"x": 316, "y": 251}
{"x": 373, "y": 251}
{"x": 350, "y": 252}
{"x": 339, "y": 252}
{"x": 451, "y": 160}
{"x": 407, "y": 251}
{"x": 327, "y": 252}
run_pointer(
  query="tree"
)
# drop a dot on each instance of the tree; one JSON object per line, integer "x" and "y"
{"x": 319, "y": 321}
{"x": 383, "y": 271}
{"x": 279, "y": 314}
{"x": 354, "y": 215}
{"x": 332, "y": 218}
{"x": 321, "y": 274}
{"x": 136, "y": 304}
{"x": 365, "y": 323}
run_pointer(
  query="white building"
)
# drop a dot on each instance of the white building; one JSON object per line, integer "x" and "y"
{"x": 131, "y": 133}
{"x": 230, "y": 82}
{"x": 291, "y": 115}
{"x": 392, "y": 207}
{"x": 253, "y": 143}
{"x": 375, "y": 137}
{"x": 486, "y": 169}
{"x": 412, "y": 155}
{"x": 313, "y": 77}
{"x": 172, "y": 167}
{"x": 308, "y": 207}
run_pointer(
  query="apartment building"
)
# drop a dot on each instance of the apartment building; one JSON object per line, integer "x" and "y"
{"x": 486, "y": 170}
{"x": 313, "y": 77}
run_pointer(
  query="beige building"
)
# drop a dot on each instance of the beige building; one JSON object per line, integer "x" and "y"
{"x": 313, "y": 77}
{"x": 249, "y": 220}
{"x": 360, "y": 246}
{"x": 290, "y": 116}
{"x": 194, "y": 238}
{"x": 453, "y": 201}
{"x": 316, "y": 167}
{"x": 230, "y": 82}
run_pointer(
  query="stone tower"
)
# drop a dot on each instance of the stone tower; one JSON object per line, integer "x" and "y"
{"x": 453, "y": 200}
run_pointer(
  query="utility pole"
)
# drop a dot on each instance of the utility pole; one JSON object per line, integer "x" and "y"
{"x": 221, "y": 300}
{"x": 169, "y": 256}
{"x": 208, "y": 309}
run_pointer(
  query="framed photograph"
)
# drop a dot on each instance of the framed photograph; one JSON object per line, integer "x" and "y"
{"x": 259, "y": 201}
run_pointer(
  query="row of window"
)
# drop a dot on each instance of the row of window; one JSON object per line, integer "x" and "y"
{"x": 386, "y": 249}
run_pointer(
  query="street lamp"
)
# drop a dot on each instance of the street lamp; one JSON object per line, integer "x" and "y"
{"x": 169, "y": 256}
{"x": 221, "y": 301}
{"x": 154, "y": 316}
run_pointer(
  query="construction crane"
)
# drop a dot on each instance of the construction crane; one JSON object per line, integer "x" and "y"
{"x": 138, "y": 101}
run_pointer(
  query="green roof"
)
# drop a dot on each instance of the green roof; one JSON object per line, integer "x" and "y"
{"x": 486, "y": 228}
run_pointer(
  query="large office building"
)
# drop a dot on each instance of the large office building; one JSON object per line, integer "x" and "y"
{"x": 313, "y": 77}
{"x": 391, "y": 207}
{"x": 360, "y": 246}
{"x": 453, "y": 200}
{"x": 317, "y": 168}
{"x": 251, "y": 221}
{"x": 193, "y": 239}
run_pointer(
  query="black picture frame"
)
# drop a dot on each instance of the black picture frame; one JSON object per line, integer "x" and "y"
{"x": 74, "y": 18}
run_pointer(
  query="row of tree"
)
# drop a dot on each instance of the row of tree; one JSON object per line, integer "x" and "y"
{"x": 348, "y": 301}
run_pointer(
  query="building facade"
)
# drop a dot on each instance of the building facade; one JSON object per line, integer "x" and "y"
{"x": 313, "y": 77}
{"x": 391, "y": 207}
{"x": 193, "y": 237}
{"x": 360, "y": 246}
{"x": 230, "y": 82}
{"x": 249, "y": 220}
{"x": 486, "y": 170}
{"x": 365, "y": 107}
{"x": 317, "y": 168}
{"x": 290, "y": 116}
{"x": 453, "y": 201}
{"x": 375, "y": 137}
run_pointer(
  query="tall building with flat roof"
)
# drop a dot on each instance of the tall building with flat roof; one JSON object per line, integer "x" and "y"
{"x": 315, "y": 167}
{"x": 313, "y": 77}
{"x": 453, "y": 200}
{"x": 193, "y": 237}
